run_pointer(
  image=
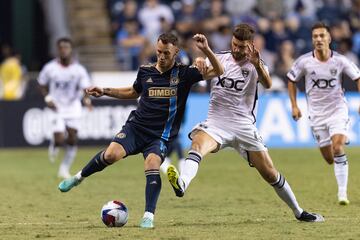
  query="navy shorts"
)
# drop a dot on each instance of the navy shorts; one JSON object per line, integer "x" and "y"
{"x": 135, "y": 141}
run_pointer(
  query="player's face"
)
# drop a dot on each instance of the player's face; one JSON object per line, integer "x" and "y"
{"x": 166, "y": 54}
{"x": 239, "y": 49}
{"x": 64, "y": 50}
{"x": 321, "y": 39}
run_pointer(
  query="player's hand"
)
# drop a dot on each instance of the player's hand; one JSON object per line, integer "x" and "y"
{"x": 253, "y": 55}
{"x": 95, "y": 91}
{"x": 200, "y": 64}
{"x": 51, "y": 105}
{"x": 296, "y": 113}
{"x": 201, "y": 42}
{"x": 49, "y": 102}
{"x": 87, "y": 102}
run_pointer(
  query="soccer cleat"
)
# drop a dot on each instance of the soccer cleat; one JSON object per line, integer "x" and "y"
{"x": 146, "y": 223}
{"x": 69, "y": 183}
{"x": 310, "y": 217}
{"x": 174, "y": 179}
{"x": 344, "y": 201}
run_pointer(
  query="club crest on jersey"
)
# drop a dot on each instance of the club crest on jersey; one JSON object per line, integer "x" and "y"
{"x": 333, "y": 71}
{"x": 121, "y": 135}
{"x": 245, "y": 72}
{"x": 174, "y": 81}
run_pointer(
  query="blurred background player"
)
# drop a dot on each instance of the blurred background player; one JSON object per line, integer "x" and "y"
{"x": 231, "y": 120}
{"x": 163, "y": 89}
{"x": 62, "y": 83}
{"x": 328, "y": 113}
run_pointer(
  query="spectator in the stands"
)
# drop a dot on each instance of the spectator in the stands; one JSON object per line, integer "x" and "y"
{"x": 130, "y": 41}
{"x": 152, "y": 16}
{"x": 11, "y": 76}
{"x": 215, "y": 17}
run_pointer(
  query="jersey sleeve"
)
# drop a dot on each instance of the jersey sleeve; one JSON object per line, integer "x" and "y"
{"x": 350, "y": 69}
{"x": 137, "y": 83}
{"x": 44, "y": 78}
{"x": 84, "y": 78}
{"x": 193, "y": 74}
{"x": 296, "y": 71}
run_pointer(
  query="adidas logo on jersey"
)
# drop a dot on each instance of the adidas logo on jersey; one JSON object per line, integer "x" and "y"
{"x": 149, "y": 80}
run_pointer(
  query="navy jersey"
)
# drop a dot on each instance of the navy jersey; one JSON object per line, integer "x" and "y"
{"x": 162, "y": 99}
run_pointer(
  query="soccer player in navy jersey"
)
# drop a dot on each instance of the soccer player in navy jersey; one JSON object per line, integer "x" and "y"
{"x": 163, "y": 88}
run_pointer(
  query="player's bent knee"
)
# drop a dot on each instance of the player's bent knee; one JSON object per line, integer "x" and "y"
{"x": 112, "y": 156}
{"x": 152, "y": 161}
{"x": 196, "y": 145}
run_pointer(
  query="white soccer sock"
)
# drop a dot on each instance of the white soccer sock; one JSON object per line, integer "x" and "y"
{"x": 341, "y": 169}
{"x": 190, "y": 168}
{"x": 164, "y": 166}
{"x": 181, "y": 164}
{"x": 70, "y": 153}
{"x": 283, "y": 189}
{"x": 78, "y": 176}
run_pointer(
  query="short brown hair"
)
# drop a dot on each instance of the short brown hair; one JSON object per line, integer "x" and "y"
{"x": 243, "y": 32}
{"x": 169, "y": 38}
{"x": 320, "y": 25}
{"x": 64, "y": 39}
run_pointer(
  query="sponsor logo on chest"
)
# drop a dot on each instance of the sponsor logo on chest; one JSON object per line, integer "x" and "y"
{"x": 162, "y": 92}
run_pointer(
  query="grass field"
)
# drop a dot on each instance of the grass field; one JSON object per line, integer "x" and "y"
{"x": 228, "y": 200}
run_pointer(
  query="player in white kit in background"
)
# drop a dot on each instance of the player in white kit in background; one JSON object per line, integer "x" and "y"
{"x": 231, "y": 120}
{"x": 328, "y": 113}
{"x": 62, "y": 82}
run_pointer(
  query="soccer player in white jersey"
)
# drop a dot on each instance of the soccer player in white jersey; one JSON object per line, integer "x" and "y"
{"x": 328, "y": 113}
{"x": 62, "y": 82}
{"x": 231, "y": 121}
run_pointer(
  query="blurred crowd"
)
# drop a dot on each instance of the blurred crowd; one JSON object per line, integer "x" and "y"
{"x": 284, "y": 28}
{"x": 284, "y": 33}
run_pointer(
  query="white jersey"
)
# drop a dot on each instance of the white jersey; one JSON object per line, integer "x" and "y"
{"x": 323, "y": 85}
{"x": 234, "y": 94}
{"x": 66, "y": 85}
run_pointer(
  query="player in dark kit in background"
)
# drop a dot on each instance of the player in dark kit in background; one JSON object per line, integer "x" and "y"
{"x": 163, "y": 88}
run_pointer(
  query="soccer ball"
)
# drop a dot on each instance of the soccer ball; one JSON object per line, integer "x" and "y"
{"x": 114, "y": 214}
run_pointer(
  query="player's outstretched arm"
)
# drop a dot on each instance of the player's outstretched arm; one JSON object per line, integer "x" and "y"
{"x": 296, "y": 113}
{"x": 216, "y": 68}
{"x": 120, "y": 93}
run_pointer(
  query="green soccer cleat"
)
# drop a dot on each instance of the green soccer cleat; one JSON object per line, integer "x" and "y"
{"x": 174, "y": 179}
{"x": 69, "y": 183}
{"x": 147, "y": 223}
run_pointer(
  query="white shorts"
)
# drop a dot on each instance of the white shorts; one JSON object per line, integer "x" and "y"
{"x": 241, "y": 137}
{"x": 59, "y": 124}
{"x": 323, "y": 133}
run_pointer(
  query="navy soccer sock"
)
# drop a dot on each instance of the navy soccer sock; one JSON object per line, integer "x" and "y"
{"x": 152, "y": 189}
{"x": 96, "y": 164}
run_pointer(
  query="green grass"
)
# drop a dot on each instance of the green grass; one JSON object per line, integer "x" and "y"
{"x": 227, "y": 200}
